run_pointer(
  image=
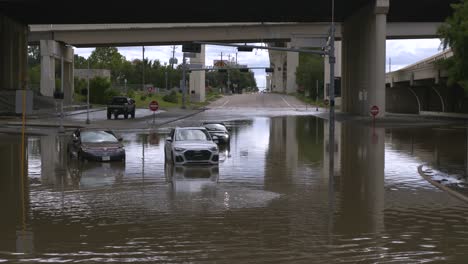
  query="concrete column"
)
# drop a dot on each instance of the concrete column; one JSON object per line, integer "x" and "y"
{"x": 197, "y": 78}
{"x": 278, "y": 62}
{"x": 47, "y": 67}
{"x": 292, "y": 61}
{"x": 13, "y": 54}
{"x": 50, "y": 51}
{"x": 68, "y": 77}
{"x": 363, "y": 83}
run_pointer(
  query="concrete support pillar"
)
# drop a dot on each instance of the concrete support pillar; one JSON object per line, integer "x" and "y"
{"x": 50, "y": 51}
{"x": 47, "y": 67}
{"x": 13, "y": 54}
{"x": 197, "y": 78}
{"x": 68, "y": 77}
{"x": 292, "y": 61}
{"x": 278, "y": 61}
{"x": 363, "y": 83}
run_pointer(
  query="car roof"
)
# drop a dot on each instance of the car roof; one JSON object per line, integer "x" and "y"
{"x": 187, "y": 128}
{"x": 213, "y": 123}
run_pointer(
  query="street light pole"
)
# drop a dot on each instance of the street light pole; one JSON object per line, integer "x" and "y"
{"x": 143, "y": 64}
{"x": 87, "y": 96}
{"x": 183, "y": 80}
{"x": 61, "y": 128}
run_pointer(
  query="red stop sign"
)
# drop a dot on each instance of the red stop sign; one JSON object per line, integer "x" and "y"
{"x": 374, "y": 110}
{"x": 154, "y": 106}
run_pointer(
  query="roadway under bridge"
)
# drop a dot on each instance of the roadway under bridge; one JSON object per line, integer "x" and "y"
{"x": 363, "y": 26}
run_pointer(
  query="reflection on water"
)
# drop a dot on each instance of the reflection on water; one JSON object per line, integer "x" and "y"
{"x": 269, "y": 200}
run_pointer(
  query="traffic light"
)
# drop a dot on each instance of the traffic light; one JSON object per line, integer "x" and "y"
{"x": 244, "y": 69}
{"x": 269, "y": 70}
{"x": 191, "y": 47}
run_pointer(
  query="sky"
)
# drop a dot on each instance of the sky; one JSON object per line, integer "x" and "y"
{"x": 401, "y": 52}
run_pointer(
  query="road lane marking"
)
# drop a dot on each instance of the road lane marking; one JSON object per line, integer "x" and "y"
{"x": 224, "y": 104}
{"x": 287, "y": 102}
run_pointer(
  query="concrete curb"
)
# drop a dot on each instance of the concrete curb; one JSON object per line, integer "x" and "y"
{"x": 441, "y": 186}
{"x": 18, "y": 124}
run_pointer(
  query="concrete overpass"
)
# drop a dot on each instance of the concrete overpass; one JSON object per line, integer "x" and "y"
{"x": 295, "y": 34}
{"x": 422, "y": 88}
{"x": 363, "y": 31}
{"x": 299, "y": 34}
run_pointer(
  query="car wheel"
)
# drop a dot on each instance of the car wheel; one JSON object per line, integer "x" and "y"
{"x": 109, "y": 115}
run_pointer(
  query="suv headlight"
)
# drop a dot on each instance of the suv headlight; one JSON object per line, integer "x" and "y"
{"x": 179, "y": 149}
{"x": 214, "y": 149}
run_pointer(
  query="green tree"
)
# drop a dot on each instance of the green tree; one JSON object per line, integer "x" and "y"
{"x": 310, "y": 70}
{"x": 108, "y": 58}
{"x": 34, "y": 56}
{"x": 454, "y": 35}
{"x": 80, "y": 62}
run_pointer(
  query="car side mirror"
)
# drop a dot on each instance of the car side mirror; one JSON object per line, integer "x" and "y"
{"x": 120, "y": 139}
{"x": 169, "y": 139}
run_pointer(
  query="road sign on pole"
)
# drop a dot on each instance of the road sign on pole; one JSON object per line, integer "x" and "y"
{"x": 154, "y": 106}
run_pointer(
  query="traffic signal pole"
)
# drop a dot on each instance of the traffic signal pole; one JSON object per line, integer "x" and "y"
{"x": 183, "y": 80}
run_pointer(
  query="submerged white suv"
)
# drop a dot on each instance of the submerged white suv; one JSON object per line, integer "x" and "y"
{"x": 191, "y": 145}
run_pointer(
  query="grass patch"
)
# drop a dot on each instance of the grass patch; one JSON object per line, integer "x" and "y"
{"x": 143, "y": 99}
{"x": 309, "y": 100}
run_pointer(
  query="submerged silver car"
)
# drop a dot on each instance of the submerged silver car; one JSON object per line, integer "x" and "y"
{"x": 191, "y": 145}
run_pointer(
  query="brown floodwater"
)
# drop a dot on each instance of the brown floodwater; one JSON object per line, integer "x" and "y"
{"x": 270, "y": 200}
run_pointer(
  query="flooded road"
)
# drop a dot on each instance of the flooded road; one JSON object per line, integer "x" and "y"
{"x": 268, "y": 201}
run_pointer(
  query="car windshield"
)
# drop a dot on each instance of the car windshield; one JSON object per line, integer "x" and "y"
{"x": 97, "y": 137}
{"x": 119, "y": 100}
{"x": 215, "y": 127}
{"x": 191, "y": 134}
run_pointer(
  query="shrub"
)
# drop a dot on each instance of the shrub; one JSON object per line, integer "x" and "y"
{"x": 171, "y": 97}
{"x": 97, "y": 90}
{"x": 142, "y": 97}
{"x": 131, "y": 93}
{"x": 110, "y": 92}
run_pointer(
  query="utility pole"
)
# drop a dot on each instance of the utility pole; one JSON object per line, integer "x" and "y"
{"x": 173, "y": 57}
{"x": 87, "y": 97}
{"x": 331, "y": 120}
{"x": 183, "y": 80}
{"x": 143, "y": 63}
{"x": 61, "y": 128}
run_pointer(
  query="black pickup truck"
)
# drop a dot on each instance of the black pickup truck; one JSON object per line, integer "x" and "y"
{"x": 121, "y": 105}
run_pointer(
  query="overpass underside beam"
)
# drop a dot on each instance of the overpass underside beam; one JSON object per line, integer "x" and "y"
{"x": 364, "y": 35}
{"x": 13, "y": 54}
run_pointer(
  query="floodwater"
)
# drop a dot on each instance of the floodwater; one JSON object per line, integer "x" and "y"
{"x": 270, "y": 200}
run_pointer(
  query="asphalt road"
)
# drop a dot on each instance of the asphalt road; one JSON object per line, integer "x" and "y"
{"x": 258, "y": 100}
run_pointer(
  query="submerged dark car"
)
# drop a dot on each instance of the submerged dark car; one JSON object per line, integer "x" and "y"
{"x": 97, "y": 145}
{"x": 219, "y": 130}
